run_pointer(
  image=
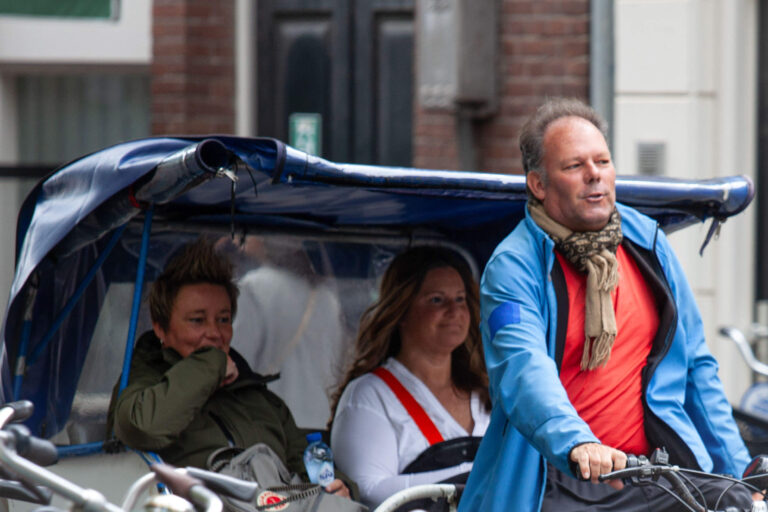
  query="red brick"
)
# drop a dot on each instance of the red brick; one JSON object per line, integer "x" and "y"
{"x": 174, "y": 10}
{"x": 578, "y": 47}
{"x": 574, "y": 7}
{"x": 193, "y": 66}
{"x": 517, "y": 8}
{"x": 544, "y": 51}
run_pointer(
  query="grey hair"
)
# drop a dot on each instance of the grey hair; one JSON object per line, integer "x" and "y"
{"x": 532, "y": 134}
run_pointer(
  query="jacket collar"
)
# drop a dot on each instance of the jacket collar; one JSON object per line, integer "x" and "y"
{"x": 635, "y": 226}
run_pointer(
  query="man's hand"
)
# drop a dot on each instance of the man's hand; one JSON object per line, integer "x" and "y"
{"x": 231, "y": 375}
{"x": 596, "y": 459}
{"x": 338, "y": 488}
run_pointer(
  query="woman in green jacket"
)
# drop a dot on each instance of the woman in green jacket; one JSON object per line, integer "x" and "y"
{"x": 188, "y": 393}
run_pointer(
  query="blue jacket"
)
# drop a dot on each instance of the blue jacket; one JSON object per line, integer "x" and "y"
{"x": 532, "y": 419}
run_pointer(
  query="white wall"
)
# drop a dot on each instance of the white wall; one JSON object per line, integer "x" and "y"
{"x": 42, "y": 45}
{"x": 40, "y": 40}
{"x": 685, "y": 75}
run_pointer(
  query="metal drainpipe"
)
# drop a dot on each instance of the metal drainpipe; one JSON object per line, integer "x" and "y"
{"x": 465, "y": 137}
{"x": 601, "y": 61}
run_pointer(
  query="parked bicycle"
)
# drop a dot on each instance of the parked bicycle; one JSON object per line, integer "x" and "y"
{"x": 640, "y": 471}
{"x": 751, "y": 414}
{"x": 22, "y": 457}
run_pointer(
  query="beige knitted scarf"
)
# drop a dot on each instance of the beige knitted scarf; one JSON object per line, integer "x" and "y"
{"x": 593, "y": 252}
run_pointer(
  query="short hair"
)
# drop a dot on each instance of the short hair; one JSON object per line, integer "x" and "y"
{"x": 196, "y": 263}
{"x": 379, "y": 337}
{"x": 532, "y": 134}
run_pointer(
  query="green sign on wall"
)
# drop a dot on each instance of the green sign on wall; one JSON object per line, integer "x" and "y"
{"x": 59, "y": 8}
{"x": 305, "y": 132}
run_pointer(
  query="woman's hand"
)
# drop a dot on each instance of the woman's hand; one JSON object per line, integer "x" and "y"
{"x": 338, "y": 488}
{"x": 231, "y": 375}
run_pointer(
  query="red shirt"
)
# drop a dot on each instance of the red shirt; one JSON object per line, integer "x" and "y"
{"x": 609, "y": 398}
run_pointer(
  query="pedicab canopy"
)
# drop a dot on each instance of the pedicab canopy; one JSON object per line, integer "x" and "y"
{"x": 111, "y": 218}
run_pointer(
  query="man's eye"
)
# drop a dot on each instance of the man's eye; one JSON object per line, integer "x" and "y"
{"x": 196, "y": 320}
{"x": 225, "y": 320}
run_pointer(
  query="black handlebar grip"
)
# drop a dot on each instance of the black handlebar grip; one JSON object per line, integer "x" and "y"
{"x": 178, "y": 482}
{"x": 22, "y": 409}
{"x": 40, "y": 451}
{"x": 18, "y": 491}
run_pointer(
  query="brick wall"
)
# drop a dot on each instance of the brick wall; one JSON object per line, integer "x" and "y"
{"x": 544, "y": 51}
{"x": 193, "y": 70}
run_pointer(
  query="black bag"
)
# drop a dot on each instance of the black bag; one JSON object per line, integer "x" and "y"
{"x": 281, "y": 489}
{"x": 438, "y": 456}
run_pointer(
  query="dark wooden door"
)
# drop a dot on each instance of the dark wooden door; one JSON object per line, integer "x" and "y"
{"x": 761, "y": 291}
{"x": 351, "y": 61}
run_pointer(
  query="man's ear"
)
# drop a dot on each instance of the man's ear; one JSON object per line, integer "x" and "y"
{"x": 536, "y": 186}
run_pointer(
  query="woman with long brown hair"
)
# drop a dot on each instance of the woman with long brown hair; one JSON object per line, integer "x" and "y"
{"x": 418, "y": 376}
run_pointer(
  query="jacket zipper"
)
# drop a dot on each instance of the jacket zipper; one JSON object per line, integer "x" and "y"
{"x": 224, "y": 429}
{"x": 669, "y": 433}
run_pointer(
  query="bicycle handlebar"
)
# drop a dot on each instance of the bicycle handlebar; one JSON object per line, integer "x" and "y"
{"x": 653, "y": 472}
{"x": 180, "y": 482}
{"x": 39, "y": 451}
{"x": 18, "y": 491}
{"x": 451, "y": 492}
{"x": 22, "y": 455}
{"x": 641, "y": 471}
{"x": 224, "y": 484}
{"x": 741, "y": 342}
{"x": 15, "y": 411}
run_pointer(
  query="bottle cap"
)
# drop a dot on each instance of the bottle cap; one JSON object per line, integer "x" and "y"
{"x": 314, "y": 436}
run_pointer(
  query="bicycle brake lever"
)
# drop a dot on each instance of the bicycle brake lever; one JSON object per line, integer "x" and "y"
{"x": 224, "y": 484}
{"x": 653, "y": 472}
{"x": 23, "y": 492}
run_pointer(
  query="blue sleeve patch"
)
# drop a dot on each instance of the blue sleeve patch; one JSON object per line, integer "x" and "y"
{"x": 507, "y": 313}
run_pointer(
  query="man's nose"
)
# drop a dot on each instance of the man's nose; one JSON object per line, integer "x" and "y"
{"x": 592, "y": 171}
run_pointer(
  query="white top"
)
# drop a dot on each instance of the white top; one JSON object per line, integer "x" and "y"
{"x": 285, "y": 324}
{"x": 374, "y": 438}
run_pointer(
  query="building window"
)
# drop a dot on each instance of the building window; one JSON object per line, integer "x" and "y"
{"x": 61, "y": 117}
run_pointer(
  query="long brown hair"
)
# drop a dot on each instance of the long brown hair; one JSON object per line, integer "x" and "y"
{"x": 379, "y": 337}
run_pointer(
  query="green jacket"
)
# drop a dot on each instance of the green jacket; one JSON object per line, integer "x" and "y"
{"x": 175, "y": 407}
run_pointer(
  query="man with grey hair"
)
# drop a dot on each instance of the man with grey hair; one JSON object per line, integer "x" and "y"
{"x": 593, "y": 342}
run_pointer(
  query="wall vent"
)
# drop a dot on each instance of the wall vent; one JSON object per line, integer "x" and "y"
{"x": 651, "y": 158}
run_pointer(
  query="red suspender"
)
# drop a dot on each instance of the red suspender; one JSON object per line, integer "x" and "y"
{"x": 416, "y": 411}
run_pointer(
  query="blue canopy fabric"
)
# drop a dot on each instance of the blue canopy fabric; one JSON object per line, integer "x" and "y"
{"x": 68, "y": 220}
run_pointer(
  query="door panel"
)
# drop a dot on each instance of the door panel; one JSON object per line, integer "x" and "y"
{"x": 303, "y": 66}
{"x": 350, "y": 61}
{"x": 384, "y": 87}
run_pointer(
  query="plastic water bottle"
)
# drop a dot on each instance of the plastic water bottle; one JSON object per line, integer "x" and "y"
{"x": 318, "y": 459}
